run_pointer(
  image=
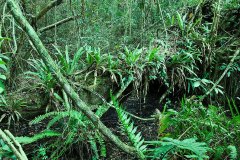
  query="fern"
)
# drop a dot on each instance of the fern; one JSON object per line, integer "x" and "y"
{"x": 103, "y": 149}
{"x": 94, "y": 140}
{"x": 59, "y": 150}
{"x": 218, "y": 152}
{"x": 94, "y": 148}
{"x": 75, "y": 119}
{"x": 233, "y": 152}
{"x": 44, "y": 134}
{"x": 199, "y": 149}
{"x": 60, "y": 115}
{"x": 128, "y": 127}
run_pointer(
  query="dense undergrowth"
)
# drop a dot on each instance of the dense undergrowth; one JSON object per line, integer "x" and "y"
{"x": 188, "y": 51}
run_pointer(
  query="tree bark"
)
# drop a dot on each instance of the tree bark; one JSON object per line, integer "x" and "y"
{"x": 17, "y": 14}
{"x": 16, "y": 148}
{"x": 44, "y": 11}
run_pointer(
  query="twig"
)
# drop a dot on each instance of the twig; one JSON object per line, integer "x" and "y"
{"x": 184, "y": 132}
{"x": 221, "y": 77}
{"x": 16, "y": 143}
{"x": 166, "y": 93}
{"x": 140, "y": 118}
{"x": 161, "y": 14}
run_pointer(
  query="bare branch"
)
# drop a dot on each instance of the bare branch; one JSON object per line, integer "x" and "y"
{"x": 47, "y": 8}
{"x": 9, "y": 139}
{"x": 51, "y": 26}
{"x": 222, "y": 76}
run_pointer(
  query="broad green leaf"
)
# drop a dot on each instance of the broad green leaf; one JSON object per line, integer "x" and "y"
{"x": 3, "y": 67}
{"x": 180, "y": 21}
{"x": 3, "y": 77}
{"x": 196, "y": 84}
{"x": 2, "y": 87}
{"x": 233, "y": 152}
{"x": 36, "y": 137}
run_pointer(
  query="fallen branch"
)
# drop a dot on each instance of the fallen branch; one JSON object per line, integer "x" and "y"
{"x": 51, "y": 26}
{"x": 166, "y": 93}
{"x": 47, "y": 8}
{"x": 103, "y": 109}
{"x": 224, "y": 73}
{"x": 16, "y": 148}
{"x": 37, "y": 43}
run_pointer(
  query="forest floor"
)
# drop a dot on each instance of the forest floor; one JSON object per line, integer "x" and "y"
{"x": 133, "y": 105}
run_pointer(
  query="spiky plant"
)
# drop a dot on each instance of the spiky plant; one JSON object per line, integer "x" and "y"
{"x": 3, "y": 69}
{"x": 10, "y": 108}
{"x": 69, "y": 64}
{"x": 167, "y": 145}
{"x": 128, "y": 128}
{"x": 42, "y": 72}
{"x": 232, "y": 152}
{"x": 75, "y": 127}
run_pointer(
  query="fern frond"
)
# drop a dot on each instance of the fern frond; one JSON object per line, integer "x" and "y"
{"x": 198, "y": 148}
{"x": 44, "y": 134}
{"x": 128, "y": 127}
{"x": 42, "y": 117}
{"x": 94, "y": 148}
{"x": 55, "y": 120}
{"x": 233, "y": 152}
{"x": 60, "y": 115}
{"x": 61, "y": 149}
{"x": 103, "y": 149}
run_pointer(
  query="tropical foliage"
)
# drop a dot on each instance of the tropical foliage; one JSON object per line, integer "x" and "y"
{"x": 70, "y": 71}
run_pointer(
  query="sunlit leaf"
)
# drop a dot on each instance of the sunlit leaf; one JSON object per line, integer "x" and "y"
{"x": 196, "y": 84}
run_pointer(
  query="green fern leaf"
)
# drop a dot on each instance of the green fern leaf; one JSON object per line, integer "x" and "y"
{"x": 128, "y": 127}
{"x": 53, "y": 121}
{"x": 103, "y": 149}
{"x": 94, "y": 148}
{"x": 60, "y": 115}
{"x": 233, "y": 152}
{"x": 44, "y": 134}
{"x": 42, "y": 117}
{"x": 198, "y": 148}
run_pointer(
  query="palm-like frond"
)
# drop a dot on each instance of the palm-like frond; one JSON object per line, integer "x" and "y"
{"x": 36, "y": 137}
{"x": 128, "y": 127}
{"x": 60, "y": 115}
{"x": 195, "y": 149}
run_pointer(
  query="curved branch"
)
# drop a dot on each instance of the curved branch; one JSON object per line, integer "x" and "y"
{"x": 47, "y": 8}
